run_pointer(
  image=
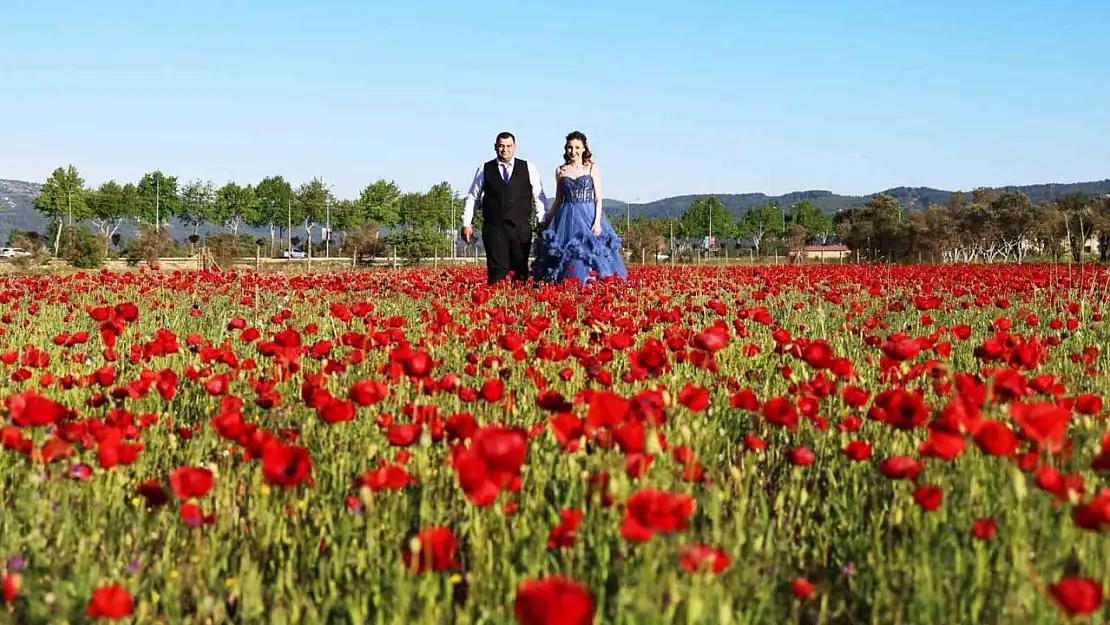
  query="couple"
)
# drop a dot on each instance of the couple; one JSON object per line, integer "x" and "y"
{"x": 575, "y": 242}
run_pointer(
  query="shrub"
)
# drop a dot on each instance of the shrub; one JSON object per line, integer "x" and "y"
{"x": 416, "y": 244}
{"x": 80, "y": 247}
{"x": 150, "y": 246}
{"x": 364, "y": 242}
{"x": 32, "y": 243}
{"x": 226, "y": 248}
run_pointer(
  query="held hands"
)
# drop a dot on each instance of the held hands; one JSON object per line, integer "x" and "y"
{"x": 468, "y": 234}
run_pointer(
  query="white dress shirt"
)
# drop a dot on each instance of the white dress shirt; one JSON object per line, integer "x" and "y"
{"x": 474, "y": 195}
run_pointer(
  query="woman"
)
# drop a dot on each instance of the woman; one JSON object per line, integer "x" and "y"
{"x": 578, "y": 242}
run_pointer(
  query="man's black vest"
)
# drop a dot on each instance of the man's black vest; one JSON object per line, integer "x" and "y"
{"x": 509, "y": 204}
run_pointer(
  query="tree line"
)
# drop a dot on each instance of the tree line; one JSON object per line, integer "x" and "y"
{"x": 985, "y": 225}
{"x": 706, "y": 220}
{"x": 272, "y": 203}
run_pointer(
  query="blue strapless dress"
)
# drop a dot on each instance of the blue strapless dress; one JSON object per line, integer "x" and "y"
{"x": 568, "y": 249}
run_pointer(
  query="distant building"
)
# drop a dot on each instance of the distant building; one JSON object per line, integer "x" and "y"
{"x": 827, "y": 251}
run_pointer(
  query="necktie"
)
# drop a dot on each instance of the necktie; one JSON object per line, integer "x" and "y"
{"x": 505, "y": 172}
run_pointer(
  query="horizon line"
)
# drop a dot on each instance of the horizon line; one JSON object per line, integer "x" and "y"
{"x": 734, "y": 193}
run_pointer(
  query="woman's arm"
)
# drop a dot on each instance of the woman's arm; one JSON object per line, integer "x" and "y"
{"x": 597, "y": 198}
{"x": 558, "y": 193}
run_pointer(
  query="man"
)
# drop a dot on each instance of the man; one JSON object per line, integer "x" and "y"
{"x": 509, "y": 191}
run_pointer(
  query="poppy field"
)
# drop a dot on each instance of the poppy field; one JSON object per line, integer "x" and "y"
{"x": 785, "y": 444}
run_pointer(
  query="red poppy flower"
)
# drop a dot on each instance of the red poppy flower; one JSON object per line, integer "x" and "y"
{"x": 801, "y": 587}
{"x": 29, "y": 409}
{"x": 651, "y": 511}
{"x": 190, "y": 482}
{"x": 857, "y": 450}
{"x": 1077, "y": 596}
{"x": 928, "y": 497}
{"x": 695, "y": 558}
{"x": 984, "y": 529}
{"x": 112, "y": 602}
{"x": 285, "y": 465}
{"x": 491, "y": 463}
{"x": 433, "y": 549}
{"x": 553, "y": 601}
{"x": 564, "y": 534}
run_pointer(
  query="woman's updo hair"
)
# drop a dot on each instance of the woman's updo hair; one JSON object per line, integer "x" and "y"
{"x": 586, "y": 154}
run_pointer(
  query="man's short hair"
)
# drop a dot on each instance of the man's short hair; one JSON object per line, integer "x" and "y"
{"x": 505, "y": 135}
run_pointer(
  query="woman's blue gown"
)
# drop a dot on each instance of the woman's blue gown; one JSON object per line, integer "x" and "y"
{"x": 568, "y": 249}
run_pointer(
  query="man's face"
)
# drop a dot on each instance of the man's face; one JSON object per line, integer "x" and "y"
{"x": 505, "y": 149}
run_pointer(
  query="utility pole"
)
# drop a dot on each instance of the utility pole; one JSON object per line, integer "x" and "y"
{"x": 327, "y": 227}
{"x": 628, "y": 215}
{"x": 709, "y": 243}
{"x": 671, "y": 222}
{"x": 157, "y": 205}
{"x": 69, "y": 202}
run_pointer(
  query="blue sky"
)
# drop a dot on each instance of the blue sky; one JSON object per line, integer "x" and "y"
{"x": 677, "y": 98}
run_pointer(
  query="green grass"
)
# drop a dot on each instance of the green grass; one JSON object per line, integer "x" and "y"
{"x": 304, "y": 555}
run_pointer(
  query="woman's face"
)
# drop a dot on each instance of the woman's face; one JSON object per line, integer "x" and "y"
{"x": 575, "y": 149}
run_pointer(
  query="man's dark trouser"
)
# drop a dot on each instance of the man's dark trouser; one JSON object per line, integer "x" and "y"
{"x": 507, "y": 247}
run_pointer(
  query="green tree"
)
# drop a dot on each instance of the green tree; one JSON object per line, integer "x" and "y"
{"x": 63, "y": 198}
{"x": 380, "y": 202}
{"x": 109, "y": 205}
{"x": 158, "y": 199}
{"x": 235, "y": 205}
{"x": 275, "y": 201}
{"x": 706, "y": 216}
{"x": 414, "y": 209}
{"x": 444, "y": 206}
{"x": 646, "y": 237}
{"x": 311, "y": 206}
{"x": 1015, "y": 220}
{"x": 1079, "y": 220}
{"x": 933, "y": 232}
{"x": 812, "y": 221}
{"x": 974, "y": 225}
{"x": 758, "y": 222}
{"x": 198, "y": 204}
{"x": 346, "y": 214}
{"x": 875, "y": 230}
{"x": 1102, "y": 227}
{"x": 340, "y": 216}
{"x": 797, "y": 237}
{"x": 1049, "y": 235}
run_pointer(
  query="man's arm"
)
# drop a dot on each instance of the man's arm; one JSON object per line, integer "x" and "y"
{"x": 472, "y": 197}
{"x": 537, "y": 192}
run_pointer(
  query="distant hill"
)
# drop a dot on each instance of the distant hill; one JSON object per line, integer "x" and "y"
{"x": 17, "y": 211}
{"x": 829, "y": 202}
